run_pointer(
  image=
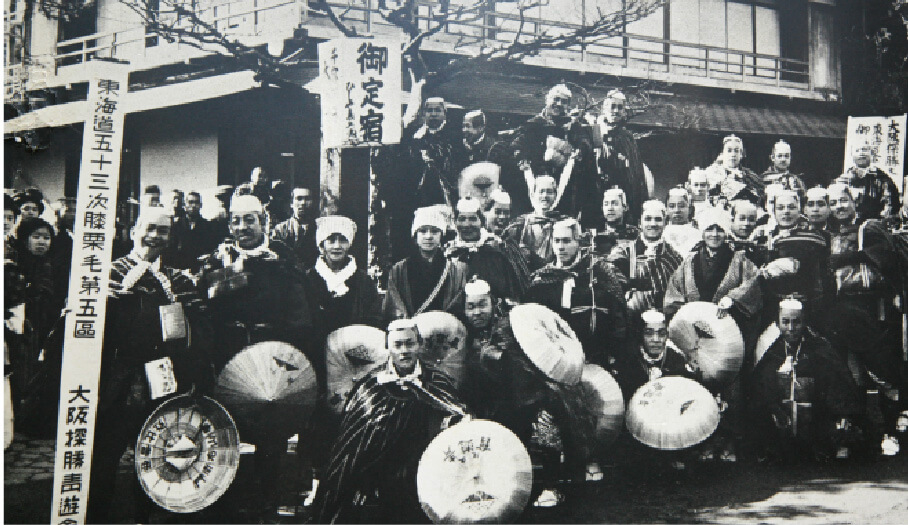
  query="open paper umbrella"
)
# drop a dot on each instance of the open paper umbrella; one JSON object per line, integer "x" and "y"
{"x": 187, "y": 453}
{"x": 672, "y": 413}
{"x": 269, "y": 387}
{"x": 445, "y": 339}
{"x": 548, "y": 341}
{"x": 352, "y": 352}
{"x": 602, "y": 397}
{"x": 712, "y": 344}
{"x": 477, "y": 471}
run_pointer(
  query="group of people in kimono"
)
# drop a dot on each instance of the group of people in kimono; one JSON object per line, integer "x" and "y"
{"x": 812, "y": 277}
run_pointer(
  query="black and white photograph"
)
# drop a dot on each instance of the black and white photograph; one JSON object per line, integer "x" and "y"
{"x": 455, "y": 261}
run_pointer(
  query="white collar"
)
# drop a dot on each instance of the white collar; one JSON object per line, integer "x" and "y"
{"x": 227, "y": 258}
{"x": 336, "y": 281}
{"x": 653, "y": 361}
{"x": 484, "y": 236}
{"x": 390, "y": 375}
{"x": 141, "y": 267}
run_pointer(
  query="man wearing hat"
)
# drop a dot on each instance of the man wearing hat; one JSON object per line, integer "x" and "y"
{"x": 390, "y": 418}
{"x": 875, "y": 195}
{"x": 728, "y": 179}
{"x": 584, "y": 290}
{"x": 778, "y": 173}
{"x": 426, "y": 281}
{"x": 803, "y": 398}
{"x": 648, "y": 262}
{"x": 485, "y": 255}
{"x": 618, "y": 160}
{"x": 254, "y": 292}
{"x": 133, "y": 339}
{"x": 298, "y": 232}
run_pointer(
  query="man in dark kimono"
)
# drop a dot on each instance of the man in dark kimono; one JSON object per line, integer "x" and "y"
{"x": 876, "y": 196}
{"x": 139, "y": 286}
{"x": 255, "y": 293}
{"x": 802, "y": 394}
{"x": 298, "y": 232}
{"x": 729, "y": 180}
{"x": 485, "y": 255}
{"x": 392, "y": 415}
{"x": 779, "y": 173}
{"x": 586, "y": 291}
{"x": 618, "y": 160}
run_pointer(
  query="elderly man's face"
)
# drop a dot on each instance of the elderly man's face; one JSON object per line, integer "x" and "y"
{"x": 545, "y": 195}
{"x": 404, "y": 347}
{"x": 472, "y": 132}
{"x": 816, "y": 210}
{"x": 791, "y": 325}
{"x": 678, "y": 210}
{"x": 469, "y": 226}
{"x": 478, "y": 309}
{"x": 699, "y": 187}
{"x": 428, "y": 239}
{"x": 501, "y": 215}
{"x": 786, "y": 211}
{"x": 862, "y": 155}
{"x": 781, "y": 158}
{"x": 615, "y": 111}
{"x": 743, "y": 223}
{"x": 613, "y": 209}
{"x": 29, "y": 210}
{"x": 248, "y": 229}
{"x": 193, "y": 205}
{"x": 301, "y": 203}
{"x": 732, "y": 154}
{"x": 565, "y": 244}
{"x": 151, "y": 236}
{"x": 434, "y": 114}
{"x": 655, "y": 336}
{"x": 842, "y": 205}
{"x": 652, "y": 223}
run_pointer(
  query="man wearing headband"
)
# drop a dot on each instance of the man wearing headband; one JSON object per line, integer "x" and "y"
{"x": 499, "y": 212}
{"x": 427, "y": 280}
{"x": 586, "y": 291}
{"x": 618, "y": 160}
{"x": 875, "y": 194}
{"x": 390, "y": 418}
{"x": 865, "y": 324}
{"x": 486, "y": 256}
{"x": 254, "y": 292}
{"x": 134, "y": 342}
{"x": 649, "y": 262}
{"x": 803, "y": 398}
{"x": 532, "y": 232}
{"x": 729, "y": 179}
{"x": 679, "y": 232}
{"x": 298, "y": 232}
{"x": 779, "y": 173}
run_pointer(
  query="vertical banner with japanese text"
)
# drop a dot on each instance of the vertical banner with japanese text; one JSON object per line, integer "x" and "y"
{"x": 93, "y": 235}
{"x": 360, "y": 87}
{"x": 887, "y": 140}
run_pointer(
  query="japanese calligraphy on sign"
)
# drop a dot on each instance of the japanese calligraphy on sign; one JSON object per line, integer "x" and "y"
{"x": 99, "y": 177}
{"x": 887, "y": 140}
{"x": 360, "y": 87}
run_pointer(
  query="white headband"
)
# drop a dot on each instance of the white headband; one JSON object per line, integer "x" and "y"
{"x": 327, "y": 226}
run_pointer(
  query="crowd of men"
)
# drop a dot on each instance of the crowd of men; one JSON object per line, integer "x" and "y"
{"x": 558, "y": 213}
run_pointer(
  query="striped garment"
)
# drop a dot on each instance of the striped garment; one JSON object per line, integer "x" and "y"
{"x": 656, "y": 270}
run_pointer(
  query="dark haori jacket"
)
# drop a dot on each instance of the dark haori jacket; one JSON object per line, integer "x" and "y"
{"x": 810, "y": 248}
{"x": 388, "y": 422}
{"x": 823, "y": 380}
{"x": 788, "y": 180}
{"x": 704, "y": 278}
{"x": 753, "y": 250}
{"x": 529, "y": 141}
{"x": 652, "y": 272}
{"x": 623, "y": 168}
{"x": 300, "y": 237}
{"x": 877, "y": 196}
{"x": 253, "y": 296}
{"x": 597, "y": 311}
{"x": 633, "y": 370}
{"x": 192, "y": 243}
{"x": 499, "y": 263}
{"x": 609, "y": 235}
{"x": 744, "y": 184}
{"x": 356, "y": 301}
{"x": 416, "y": 286}
{"x": 532, "y": 233}
{"x": 133, "y": 334}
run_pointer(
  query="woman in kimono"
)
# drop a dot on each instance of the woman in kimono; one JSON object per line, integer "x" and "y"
{"x": 426, "y": 281}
